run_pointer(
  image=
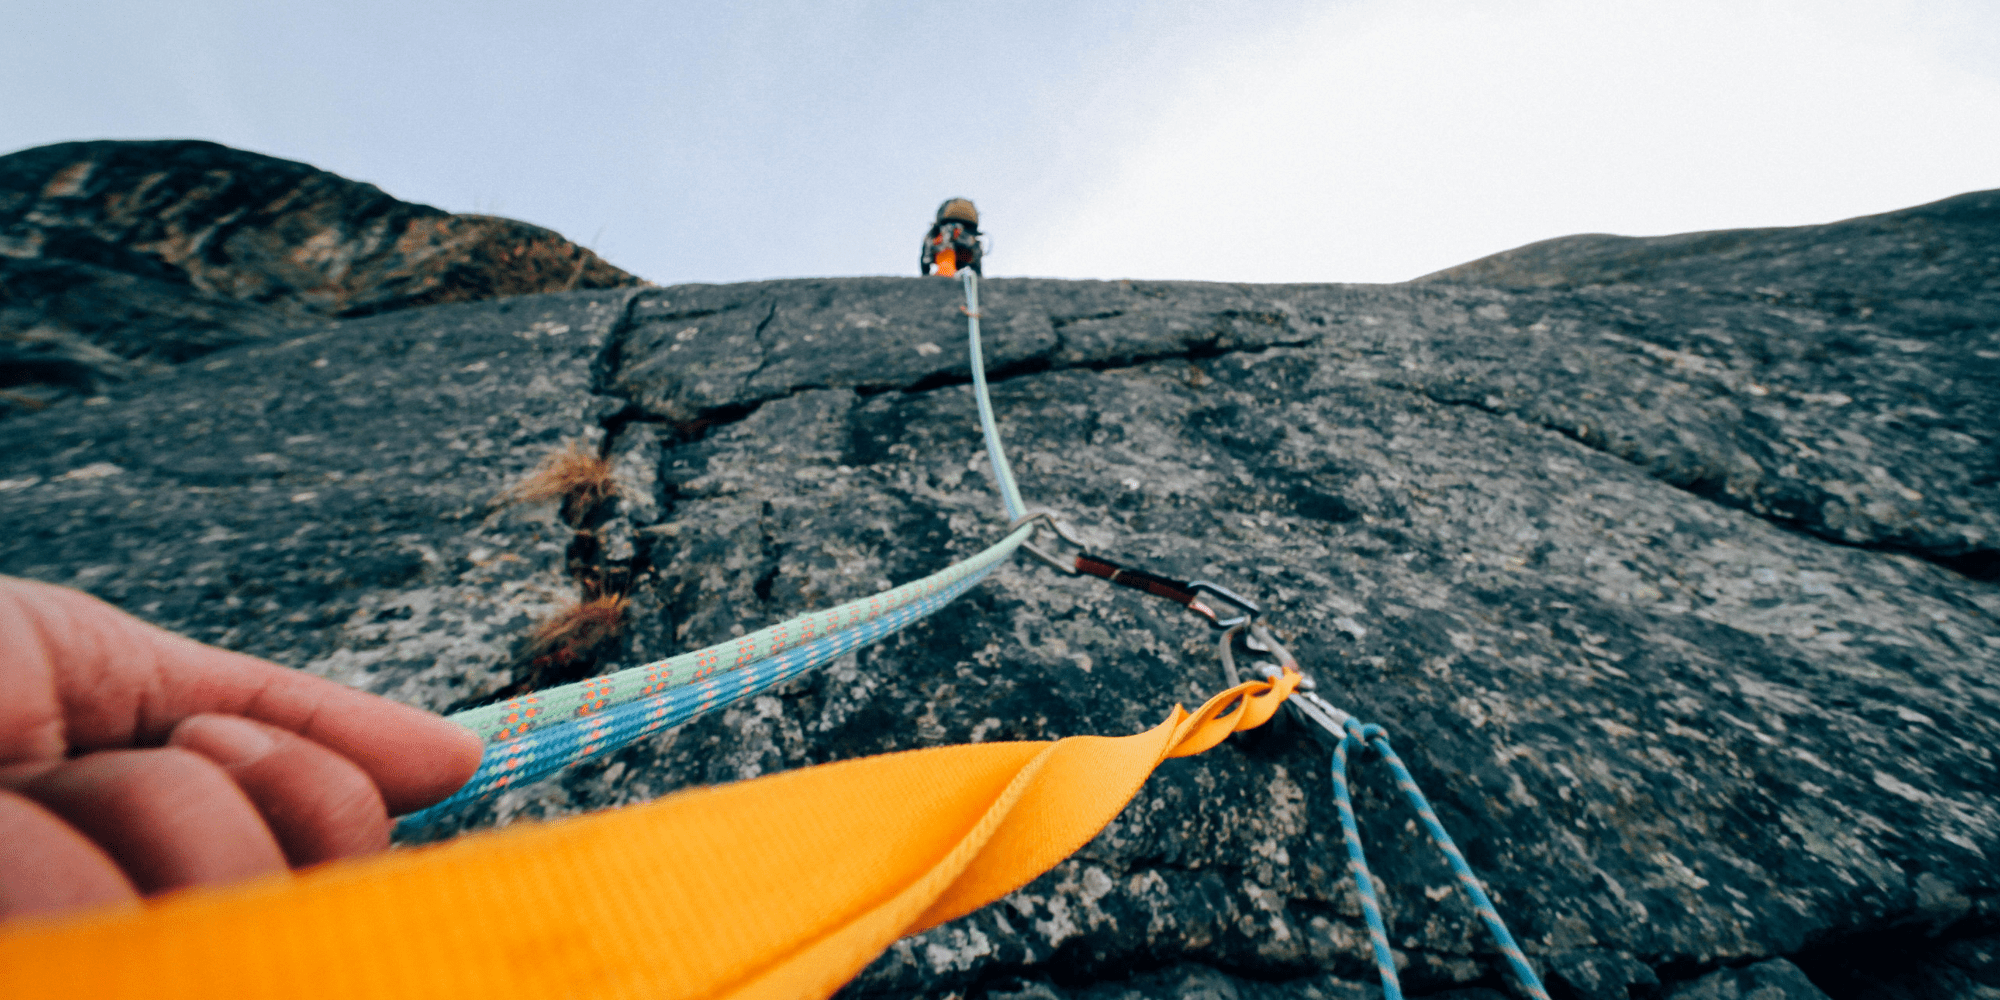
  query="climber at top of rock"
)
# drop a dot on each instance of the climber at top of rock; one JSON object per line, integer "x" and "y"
{"x": 953, "y": 241}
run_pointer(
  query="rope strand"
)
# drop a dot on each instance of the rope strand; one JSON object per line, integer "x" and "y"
{"x": 1358, "y": 737}
{"x": 1003, "y": 474}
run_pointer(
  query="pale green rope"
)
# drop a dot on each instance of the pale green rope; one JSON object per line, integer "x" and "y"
{"x": 1003, "y": 474}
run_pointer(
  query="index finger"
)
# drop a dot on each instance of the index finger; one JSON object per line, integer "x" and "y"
{"x": 77, "y": 666}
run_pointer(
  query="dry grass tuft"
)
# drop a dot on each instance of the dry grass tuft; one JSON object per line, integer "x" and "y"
{"x": 572, "y": 634}
{"x": 561, "y": 648}
{"x": 576, "y": 475}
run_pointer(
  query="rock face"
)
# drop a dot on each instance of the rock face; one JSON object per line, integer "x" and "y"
{"x": 1891, "y": 314}
{"x": 118, "y": 259}
{"x": 1776, "y": 979}
{"x": 1677, "y": 601}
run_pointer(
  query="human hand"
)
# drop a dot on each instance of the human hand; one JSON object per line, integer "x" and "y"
{"x": 134, "y": 761}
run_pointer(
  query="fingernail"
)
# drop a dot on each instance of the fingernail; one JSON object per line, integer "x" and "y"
{"x": 224, "y": 739}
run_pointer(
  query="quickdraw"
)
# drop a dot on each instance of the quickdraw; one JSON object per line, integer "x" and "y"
{"x": 1222, "y": 607}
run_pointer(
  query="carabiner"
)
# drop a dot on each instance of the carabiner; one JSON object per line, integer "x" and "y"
{"x": 1304, "y": 699}
{"x": 1061, "y": 531}
{"x": 1249, "y": 607}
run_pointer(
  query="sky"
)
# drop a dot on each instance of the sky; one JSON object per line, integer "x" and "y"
{"x": 1255, "y": 140}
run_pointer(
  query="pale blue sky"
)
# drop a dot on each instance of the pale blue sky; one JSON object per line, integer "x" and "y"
{"x": 1372, "y": 140}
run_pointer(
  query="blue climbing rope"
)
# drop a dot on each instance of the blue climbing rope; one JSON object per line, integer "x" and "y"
{"x": 1351, "y": 735}
{"x": 517, "y": 761}
{"x": 1357, "y": 867}
{"x": 1356, "y": 737}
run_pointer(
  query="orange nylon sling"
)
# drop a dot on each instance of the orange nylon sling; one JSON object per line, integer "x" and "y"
{"x": 780, "y": 887}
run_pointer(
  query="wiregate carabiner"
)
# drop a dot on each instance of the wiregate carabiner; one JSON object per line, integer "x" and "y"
{"x": 1304, "y": 698}
{"x": 1062, "y": 532}
{"x": 1249, "y": 607}
{"x": 1188, "y": 595}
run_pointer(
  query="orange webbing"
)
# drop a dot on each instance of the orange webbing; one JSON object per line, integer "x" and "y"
{"x": 784, "y": 886}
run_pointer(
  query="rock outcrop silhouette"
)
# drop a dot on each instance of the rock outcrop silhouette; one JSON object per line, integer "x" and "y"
{"x": 121, "y": 259}
{"x": 1676, "y": 595}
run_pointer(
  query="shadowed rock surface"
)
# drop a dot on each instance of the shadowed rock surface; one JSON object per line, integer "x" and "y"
{"x": 118, "y": 259}
{"x": 1681, "y": 615}
{"x": 1776, "y": 979}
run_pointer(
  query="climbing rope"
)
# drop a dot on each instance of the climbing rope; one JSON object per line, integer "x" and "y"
{"x": 1351, "y": 735}
{"x": 556, "y": 705}
{"x": 1003, "y": 474}
{"x": 520, "y": 759}
{"x": 1355, "y": 737}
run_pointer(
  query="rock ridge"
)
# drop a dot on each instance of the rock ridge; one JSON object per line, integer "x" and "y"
{"x": 119, "y": 260}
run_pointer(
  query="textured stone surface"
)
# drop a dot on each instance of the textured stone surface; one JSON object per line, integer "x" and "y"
{"x": 1675, "y": 725}
{"x": 1792, "y": 365}
{"x": 699, "y": 352}
{"x": 1776, "y": 979}
{"x": 327, "y": 501}
{"x": 117, "y": 258}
